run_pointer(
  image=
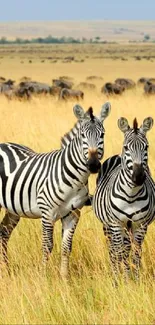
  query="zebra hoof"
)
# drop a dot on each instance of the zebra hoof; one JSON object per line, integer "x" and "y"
{"x": 64, "y": 274}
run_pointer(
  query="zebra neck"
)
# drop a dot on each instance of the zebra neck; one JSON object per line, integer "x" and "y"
{"x": 126, "y": 184}
{"x": 74, "y": 157}
{"x": 69, "y": 136}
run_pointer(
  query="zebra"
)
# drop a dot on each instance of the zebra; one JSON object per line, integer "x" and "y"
{"x": 53, "y": 185}
{"x": 124, "y": 199}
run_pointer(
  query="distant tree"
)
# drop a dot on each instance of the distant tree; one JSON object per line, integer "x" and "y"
{"x": 97, "y": 38}
{"x": 146, "y": 37}
{"x": 84, "y": 40}
{"x": 19, "y": 40}
{"x": 55, "y": 40}
{"x": 3, "y": 40}
{"x": 40, "y": 40}
{"x": 62, "y": 39}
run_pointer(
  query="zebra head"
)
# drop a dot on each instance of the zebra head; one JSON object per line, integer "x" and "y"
{"x": 91, "y": 134}
{"x": 135, "y": 149}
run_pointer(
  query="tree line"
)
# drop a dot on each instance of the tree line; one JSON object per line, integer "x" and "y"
{"x": 65, "y": 40}
{"x": 51, "y": 40}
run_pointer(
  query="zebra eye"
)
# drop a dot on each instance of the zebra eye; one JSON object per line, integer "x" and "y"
{"x": 102, "y": 135}
{"x": 125, "y": 147}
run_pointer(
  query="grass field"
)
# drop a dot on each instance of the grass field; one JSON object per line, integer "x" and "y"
{"x": 27, "y": 296}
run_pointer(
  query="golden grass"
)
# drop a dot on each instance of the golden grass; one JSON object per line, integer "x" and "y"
{"x": 27, "y": 295}
{"x": 48, "y": 53}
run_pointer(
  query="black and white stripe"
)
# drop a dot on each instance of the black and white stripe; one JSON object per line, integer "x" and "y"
{"x": 124, "y": 199}
{"x": 51, "y": 185}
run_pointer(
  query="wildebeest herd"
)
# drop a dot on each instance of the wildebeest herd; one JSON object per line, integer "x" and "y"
{"x": 64, "y": 89}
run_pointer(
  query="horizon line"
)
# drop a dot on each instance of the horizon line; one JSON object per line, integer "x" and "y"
{"x": 74, "y": 20}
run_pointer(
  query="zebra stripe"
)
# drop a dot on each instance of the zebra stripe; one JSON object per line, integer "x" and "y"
{"x": 51, "y": 185}
{"x": 125, "y": 196}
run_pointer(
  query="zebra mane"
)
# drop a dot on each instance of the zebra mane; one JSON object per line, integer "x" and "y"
{"x": 66, "y": 139}
{"x": 90, "y": 112}
{"x": 135, "y": 125}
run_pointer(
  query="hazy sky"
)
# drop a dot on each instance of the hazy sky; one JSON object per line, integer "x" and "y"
{"x": 17, "y": 10}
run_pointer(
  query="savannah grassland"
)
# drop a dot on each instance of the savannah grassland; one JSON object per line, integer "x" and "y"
{"x": 27, "y": 296}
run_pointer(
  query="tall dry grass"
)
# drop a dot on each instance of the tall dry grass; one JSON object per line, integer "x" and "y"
{"x": 27, "y": 295}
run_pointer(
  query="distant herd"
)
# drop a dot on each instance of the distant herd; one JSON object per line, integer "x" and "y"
{"x": 63, "y": 87}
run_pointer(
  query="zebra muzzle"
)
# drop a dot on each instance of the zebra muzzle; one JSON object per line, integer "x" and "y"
{"x": 93, "y": 164}
{"x": 138, "y": 176}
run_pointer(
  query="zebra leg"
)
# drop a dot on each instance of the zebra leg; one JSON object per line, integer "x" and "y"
{"x": 138, "y": 238}
{"x": 69, "y": 224}
{"x": 47, "y": 237}
{"x": 126, "y": 252}
{"x": 7, "y": 225}
{"x": 115, "y": 243}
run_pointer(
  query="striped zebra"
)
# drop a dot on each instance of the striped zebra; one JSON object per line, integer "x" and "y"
{"x": 124, "y": 199}
{"x": 52, "y": 185}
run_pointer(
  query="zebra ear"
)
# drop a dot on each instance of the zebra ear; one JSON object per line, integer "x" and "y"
{"x": 123, "y": 124}
{"x": 105, "y": 111}
{"x": 147, "y": 124}
{"x": 78, "y": 112}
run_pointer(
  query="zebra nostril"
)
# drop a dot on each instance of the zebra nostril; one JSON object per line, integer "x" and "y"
{"x": 138, "y": 175}
{"x": 93, "y": 165}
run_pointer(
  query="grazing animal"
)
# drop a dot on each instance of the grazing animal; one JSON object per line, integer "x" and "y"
{"x": 6, "y": 86}
{"x": 23, "y": 90}
{"x": 26, "y": 89}
{"x": 86, "y": 85}
{"x": 124, "y": 200}
{"x": 66, "y": 94}
{"x": 62, "y": 83}
{"x": 126, "y": 83}
{"x": 149, "y": 88}
{"x": 55, "y": 90}
{"x": 18, "y": 93}
{"x": 143, "y": 80}
{"x": 112, "y": 89}
{"x": 36, "y": 87}
{"x": 94, "y": 78}
{"x": 65, "y": 78}
{"x": 25, "y": 79}
{"x": 2, "y": 79}
{"x": 51, "y": 185}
